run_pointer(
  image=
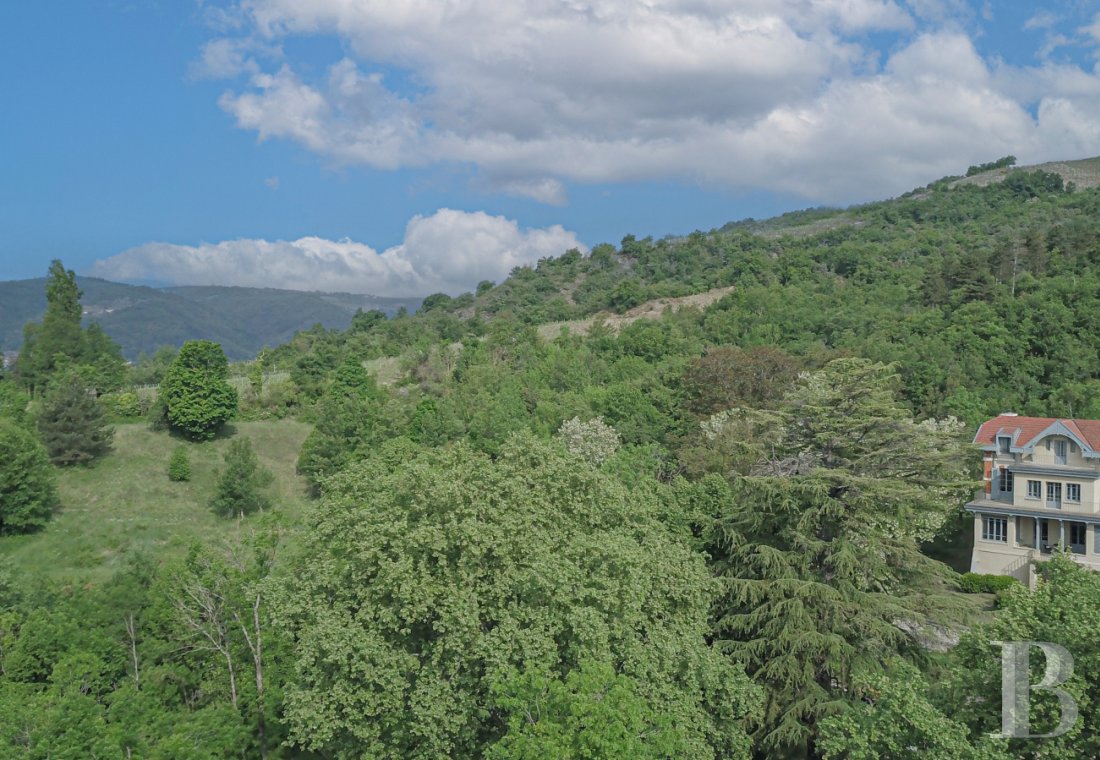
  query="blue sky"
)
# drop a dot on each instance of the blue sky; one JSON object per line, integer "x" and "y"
{"x": 405, "y": 147}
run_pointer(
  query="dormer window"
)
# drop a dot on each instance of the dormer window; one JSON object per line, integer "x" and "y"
{"x": 1004, "y": 443}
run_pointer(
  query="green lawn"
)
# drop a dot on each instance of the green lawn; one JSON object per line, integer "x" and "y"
{"x": 126, "y": 502}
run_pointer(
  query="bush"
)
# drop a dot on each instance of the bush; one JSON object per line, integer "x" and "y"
{"x": 978, "y": 583}
{"x": 179, "y": 466}
{"x": 124, "y": 406}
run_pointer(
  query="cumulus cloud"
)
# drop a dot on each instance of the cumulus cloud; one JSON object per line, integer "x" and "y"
{"x": 449, "y": 251}
{"x": 228, "y": 57}
{"x": 780, "y": 94}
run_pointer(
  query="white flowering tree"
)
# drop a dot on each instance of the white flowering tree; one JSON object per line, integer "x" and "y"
{"x": 593, "y": 440}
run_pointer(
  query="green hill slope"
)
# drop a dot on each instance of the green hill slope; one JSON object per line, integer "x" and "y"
{"x": 127, "y": 504}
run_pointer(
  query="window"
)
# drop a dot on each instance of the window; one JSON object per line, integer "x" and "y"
{"x": 1035, "y": 489}
{"x": 1096, "y": 543}
{"x": 1072, "y": 447}
{"x": 995, "y": 529}
{"x": 1060, "y": 451}
{"x": 1077, "y": 533}
{"x": 1006, "y": 480}
{"x": 1054, "y": 492}
{"x": 1073, "y": 492}
{"x": 1004, "y": 443}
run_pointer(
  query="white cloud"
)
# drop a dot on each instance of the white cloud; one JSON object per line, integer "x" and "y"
{"x": 229, "y": 57}
{"x": 449, "y": 251}
{"x": 780, "y": 94}
{"x": 1093, "y": 29}
{"x": 1043, "y": 19}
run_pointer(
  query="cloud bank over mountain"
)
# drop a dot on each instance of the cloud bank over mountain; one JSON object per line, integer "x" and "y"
{"x": 449, "y": 251}
{"x": 785, "y": 95}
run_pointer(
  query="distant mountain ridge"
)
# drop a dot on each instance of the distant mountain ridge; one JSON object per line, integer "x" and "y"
{"x": 141, "y": 318}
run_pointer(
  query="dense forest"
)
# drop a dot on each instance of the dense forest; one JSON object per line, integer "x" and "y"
{"x": 549, "y": 519}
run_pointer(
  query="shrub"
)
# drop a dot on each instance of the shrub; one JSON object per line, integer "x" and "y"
{"x": 179, "y": 466}
{"x": 978, "y": 583}
{"x": 125, "y": 405}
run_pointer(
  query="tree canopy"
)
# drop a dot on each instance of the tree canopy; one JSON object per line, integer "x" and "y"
{"x": 73, "y": 425}
{"x": 197, "y": 398}
{"x": 427, "y": 585}
{"x": 819, "y": 547}
{"x": 59, "y": 341}
{"x": 28, "y": 493}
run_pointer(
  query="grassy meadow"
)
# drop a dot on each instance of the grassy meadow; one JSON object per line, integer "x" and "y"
{"x": 126, "y": 503}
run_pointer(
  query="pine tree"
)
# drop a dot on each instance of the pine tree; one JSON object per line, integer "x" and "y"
{"x": 819, "y": 549}
{"x": 240, "y": 488}
{"x": 73, "y": 425}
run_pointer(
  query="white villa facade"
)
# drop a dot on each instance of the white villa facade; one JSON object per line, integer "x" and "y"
{"x": 1042, "y": 491}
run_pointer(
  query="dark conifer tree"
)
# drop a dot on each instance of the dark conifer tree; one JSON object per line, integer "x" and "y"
{"x": 73, "y": 425}
{"x": 240, "y": 489}
{"x": 819, "y": 548}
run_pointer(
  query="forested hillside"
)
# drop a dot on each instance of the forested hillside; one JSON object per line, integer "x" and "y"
{"x": 142, "y": 319}
{"x": 713, "y": 532}
{"x": 986, "y": 297}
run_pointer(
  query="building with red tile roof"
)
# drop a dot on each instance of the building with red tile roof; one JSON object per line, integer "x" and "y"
{"x": 1041, "y": 492}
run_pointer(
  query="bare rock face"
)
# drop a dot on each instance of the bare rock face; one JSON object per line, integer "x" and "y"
{"x": 934, "y": 638}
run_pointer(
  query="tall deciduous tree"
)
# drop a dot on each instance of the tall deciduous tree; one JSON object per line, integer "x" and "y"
{"x": 819, "y": 549}
{"x": 425, "y": 587}
{"x": 73, "y": 425}
{"x": 197, "y": 398}
{"x": 28, "y": 494}
{"x": 594, "y": 712}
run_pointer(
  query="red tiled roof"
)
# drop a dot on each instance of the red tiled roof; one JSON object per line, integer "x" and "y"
{"x": 1029, "y": 427}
